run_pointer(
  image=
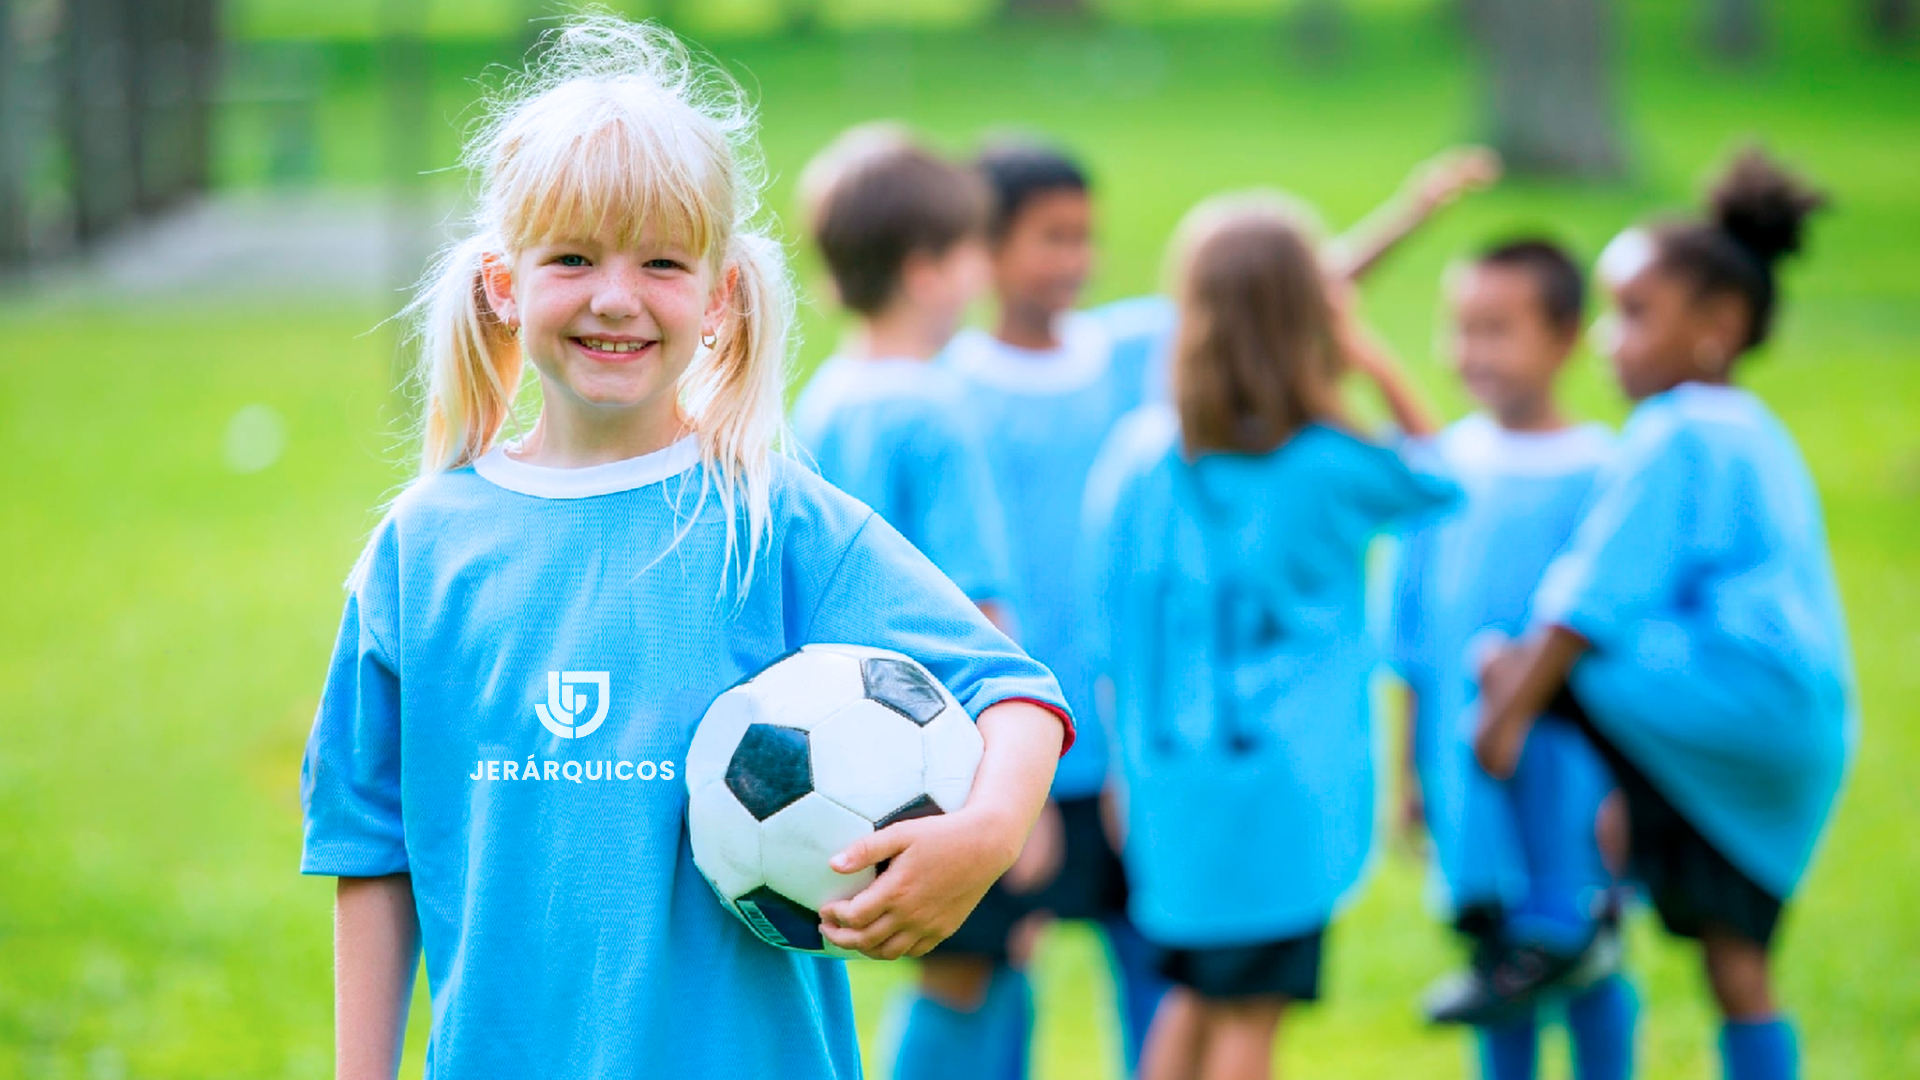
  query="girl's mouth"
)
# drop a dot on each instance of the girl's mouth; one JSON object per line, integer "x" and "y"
{"x": 610, "y": 351}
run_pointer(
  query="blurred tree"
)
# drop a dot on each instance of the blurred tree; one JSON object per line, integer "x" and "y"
{"x": 13, "y": 150}
{"x": 96, "y": 114}
{"x": 1029, "y": 8}
{"x": 1318, "y": 30}
{"x": 1549, "y": 86}
{"x": 1892, "y": 22}
{"x": 1736, "y": 29}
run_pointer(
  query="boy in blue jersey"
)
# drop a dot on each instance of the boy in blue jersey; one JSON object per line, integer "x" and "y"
{"x": 902, "y": 234}
{"x": 1693, "y": 628}
{"x": 1048, "y": 384}
{"x": 1519, "y": 861}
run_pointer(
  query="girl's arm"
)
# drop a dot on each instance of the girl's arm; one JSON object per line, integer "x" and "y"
{"x": 1434, "y": 184}
{"x": 1516, "y": 684}
{"x": 941, "y": 866}
{"x": 376, "y": 949}
{"x": 1369, "y": 356}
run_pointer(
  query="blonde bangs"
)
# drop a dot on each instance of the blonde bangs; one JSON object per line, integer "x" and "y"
{"x": 584, "y": 161}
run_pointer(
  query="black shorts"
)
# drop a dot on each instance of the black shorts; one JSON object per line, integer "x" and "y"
{"x": 1091, "y": 883}
{"x": 1690, "y": 883}
{"x": 1288, "y": 968}
{"x": 985, "y": 932}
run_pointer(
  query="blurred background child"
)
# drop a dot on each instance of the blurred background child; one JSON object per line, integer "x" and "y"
{"x": 902, "y": 232}
{"x": 1693, "y": 627}
{"x": 1226, "y": 547}
{"x": 1518, "y": 861}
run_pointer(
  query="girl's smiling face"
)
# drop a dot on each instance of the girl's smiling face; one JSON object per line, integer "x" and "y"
{"x": 609, "y": 328}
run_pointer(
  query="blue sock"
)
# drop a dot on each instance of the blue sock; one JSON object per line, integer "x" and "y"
{"x": 1600, "y": 1026}
{"x": 938, "y": 1042}
{"x": 1508, "y": 1052}
{"x": 1137, "y": 984}
{"x": 1759, "y": 1050}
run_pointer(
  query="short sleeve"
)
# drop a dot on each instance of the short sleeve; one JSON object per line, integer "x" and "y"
{"x": 1627, "y": 553}
{"x": 350, "y": 776}
{"x": 882, "y": 592}
{"x": 959, "y": 520}
{"x": 1401, "y": 485}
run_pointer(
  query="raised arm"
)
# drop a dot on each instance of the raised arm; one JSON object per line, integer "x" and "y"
{"x": 1432, "y": 185}
{"x": 376, "y": 948}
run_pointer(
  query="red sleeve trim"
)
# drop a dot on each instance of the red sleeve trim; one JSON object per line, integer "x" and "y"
{"x": 1066, "y": 720}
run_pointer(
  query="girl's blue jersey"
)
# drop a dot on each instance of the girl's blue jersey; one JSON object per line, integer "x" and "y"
{"x": 1044, "y": 416}
{"x": 1464, "y": 580}
{"x": 1232, "y": 593}
{"x": 524, "y": 654}
{"x": 1720, "y": 661}
{"x": 898, "y": 436}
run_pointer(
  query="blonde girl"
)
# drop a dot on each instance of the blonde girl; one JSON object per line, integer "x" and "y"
{"x": 495, "y": 773}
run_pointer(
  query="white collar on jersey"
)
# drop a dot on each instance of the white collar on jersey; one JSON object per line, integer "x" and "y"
{"x": 1080, "y": 359}
{"x": 1715, "y": 401}
{"x": 1479, "y": 442}
{"x": 548, "y": 482}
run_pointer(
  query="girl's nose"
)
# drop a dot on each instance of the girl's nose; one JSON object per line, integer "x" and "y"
{"x": 618, "y": 295}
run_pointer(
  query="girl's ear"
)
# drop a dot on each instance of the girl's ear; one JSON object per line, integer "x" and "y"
{"x": 720, "y": 300}
{"x": 496, "y": 276}
{"x": 1725, "y": 318}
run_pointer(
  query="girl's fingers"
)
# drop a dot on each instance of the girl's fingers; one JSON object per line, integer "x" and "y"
{"x": 895, "y": 947}
{"x": 872, "y": 850}
{"x": 865, "y": 940}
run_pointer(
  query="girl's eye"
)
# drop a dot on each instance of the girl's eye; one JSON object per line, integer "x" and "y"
{"x": 570, "y": 259}
{"x": 663, "y": 264}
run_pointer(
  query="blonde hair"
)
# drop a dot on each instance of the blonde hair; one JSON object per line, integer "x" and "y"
{"x": 1255, "y": 358}
{"x": 616, "y": 125}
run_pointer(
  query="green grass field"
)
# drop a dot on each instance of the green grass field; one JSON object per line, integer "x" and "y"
{"x": 168, "y": 618}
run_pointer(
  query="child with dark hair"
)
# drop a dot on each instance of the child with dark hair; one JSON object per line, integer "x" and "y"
{"x": 1225, "y": 562}
{"x": 1693, "y": 629}
{"x": 1519, "y": 862}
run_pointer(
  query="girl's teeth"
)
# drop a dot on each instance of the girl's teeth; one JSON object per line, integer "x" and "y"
{"x": 613, "y": 346}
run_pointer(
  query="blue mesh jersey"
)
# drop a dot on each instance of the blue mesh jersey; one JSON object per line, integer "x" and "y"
{"x": 1232, "y": 592}
{"x": 1468, "y": 579}
{"x": 524, "y": 655}
{"x": 1720, "y": 663}
{"x": 1045, "y": 416}
{"x": 897, "y": 435}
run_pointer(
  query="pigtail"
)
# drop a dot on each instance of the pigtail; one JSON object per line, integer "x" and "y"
{"x": 735, "y": 392}
{"x": 470, "y": 362}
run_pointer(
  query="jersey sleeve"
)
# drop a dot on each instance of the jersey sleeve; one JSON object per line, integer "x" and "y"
{"x": 1403, "y": 485}
{"x": 960, "y": 524}
{"x": 1627, "y": 555}
{"x": 350, "y": 775}
{"x": 883, "y": 592}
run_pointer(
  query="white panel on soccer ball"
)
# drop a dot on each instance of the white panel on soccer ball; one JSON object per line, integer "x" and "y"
{"x": 867, "y": 758}
{"x": 796, "y": 843}
{"x": 726, "y": 841}
{"x": 806, "y": 688}
{"x": 718, "y": 734}
{"x": 953, "y": 747}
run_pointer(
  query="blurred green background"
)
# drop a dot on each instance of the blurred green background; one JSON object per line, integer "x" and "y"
{"x": 194, "y": 446}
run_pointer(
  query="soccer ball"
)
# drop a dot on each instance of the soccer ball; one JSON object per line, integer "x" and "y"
{"x": 821, "y": 747}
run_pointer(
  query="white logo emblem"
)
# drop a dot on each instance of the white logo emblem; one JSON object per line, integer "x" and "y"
{"x": 563, "y": 706}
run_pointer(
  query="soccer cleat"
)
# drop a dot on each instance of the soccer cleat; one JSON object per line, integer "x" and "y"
{"x": 1501, "y": 989}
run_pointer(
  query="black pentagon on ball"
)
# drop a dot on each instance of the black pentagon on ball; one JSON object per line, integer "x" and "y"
{"x": 780, "y": 920}
{"x": 904, "y": 687}
{"x": 771, "y": 769}
{"x": 921, "y": 806}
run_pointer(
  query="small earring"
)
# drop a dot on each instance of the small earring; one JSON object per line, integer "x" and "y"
{"x": 707, "y": 340}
